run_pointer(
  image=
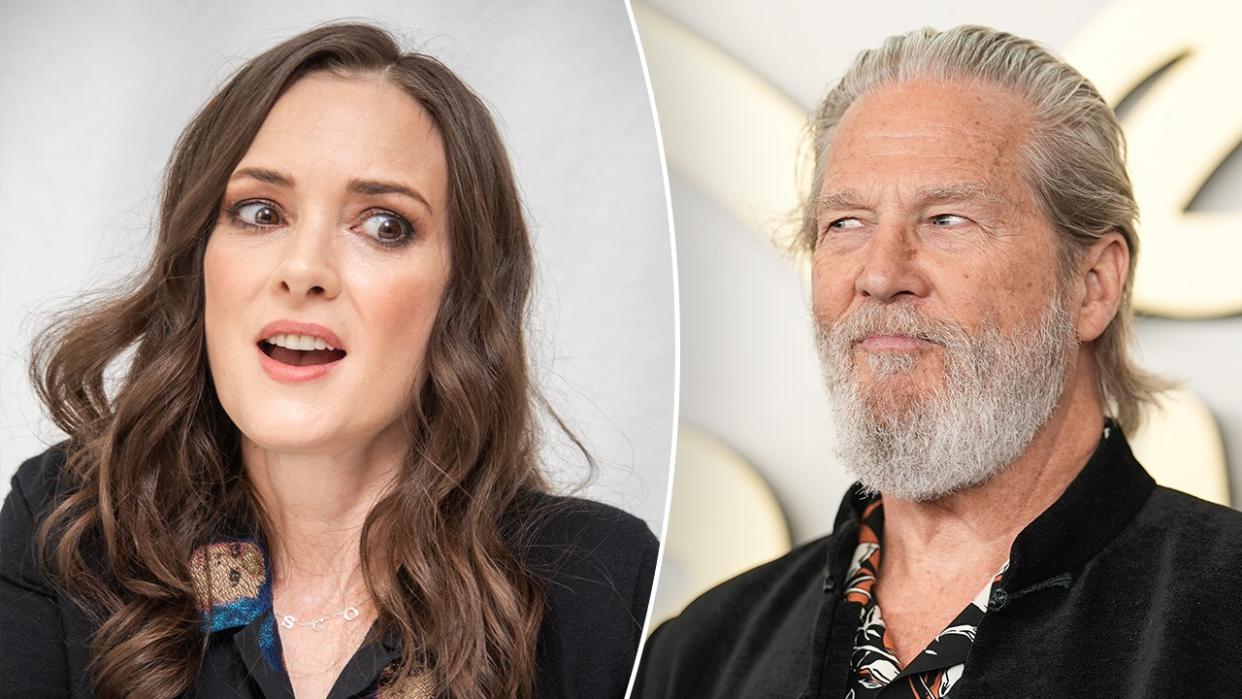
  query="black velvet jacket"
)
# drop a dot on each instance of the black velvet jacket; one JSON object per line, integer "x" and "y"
{"x": 598, "y": 563}
{"x": 1120, "y": 589}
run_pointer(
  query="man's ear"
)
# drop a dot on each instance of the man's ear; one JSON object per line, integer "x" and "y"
{"x": 1103, "y": 271}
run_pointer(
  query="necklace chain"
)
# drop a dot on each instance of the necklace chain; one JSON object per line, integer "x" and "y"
{"x": 289, "y": 621}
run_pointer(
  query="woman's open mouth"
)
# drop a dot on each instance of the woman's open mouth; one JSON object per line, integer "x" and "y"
{"x": 294, "y": 357}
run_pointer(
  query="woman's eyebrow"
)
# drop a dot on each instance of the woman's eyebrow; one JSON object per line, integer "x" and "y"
{"x": 380, "y": 187}
{"x": 263, "y": 175}
{"x": 356, "y": 186}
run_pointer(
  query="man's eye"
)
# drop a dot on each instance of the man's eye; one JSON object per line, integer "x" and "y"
{"x": 256, "y": 213}
{"x": 843, "y": 223}
{"x": 947, "y": 220}
{"x": 388, "y": 228}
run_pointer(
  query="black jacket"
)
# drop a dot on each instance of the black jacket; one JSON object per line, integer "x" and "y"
{"x": 598, "y": 562}
{"x": 1120, "y": 589}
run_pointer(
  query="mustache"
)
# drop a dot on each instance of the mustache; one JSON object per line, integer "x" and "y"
{"x": 894, "y": 319}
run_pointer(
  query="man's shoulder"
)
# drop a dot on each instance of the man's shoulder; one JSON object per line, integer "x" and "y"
{"x": 1187, "y": 513}
{"x": 760, "y": 597}
{"x": 801, "y": 569}
{"x": 1179, "y": 553}
{"x": 1207, "y": 530}
{"x": 749, "y": 631}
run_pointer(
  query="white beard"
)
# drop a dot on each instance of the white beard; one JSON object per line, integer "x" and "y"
{"x": 996, "y": 393}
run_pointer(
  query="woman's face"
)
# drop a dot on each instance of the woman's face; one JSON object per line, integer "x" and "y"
{"x": 334, "y": 219}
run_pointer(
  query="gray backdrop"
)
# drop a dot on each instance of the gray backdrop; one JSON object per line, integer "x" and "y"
{"x": 93, "y": 96}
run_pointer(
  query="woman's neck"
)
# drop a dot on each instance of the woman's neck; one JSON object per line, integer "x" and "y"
{"x": 316, "y": 504}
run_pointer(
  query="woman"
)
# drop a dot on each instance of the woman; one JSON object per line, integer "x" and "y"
{"x": 319, "y": 474}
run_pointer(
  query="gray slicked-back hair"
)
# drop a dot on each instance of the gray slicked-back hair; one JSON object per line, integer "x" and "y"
{"x": 1074, "y": 163}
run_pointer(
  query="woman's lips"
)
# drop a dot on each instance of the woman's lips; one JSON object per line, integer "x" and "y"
{"x": 301, "y": 357}
{"x": 894, "y": 343}
{"x": 290, "y": 373}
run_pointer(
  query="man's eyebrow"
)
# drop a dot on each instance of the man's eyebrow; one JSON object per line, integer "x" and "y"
{"x": 839, "y": 199}
{"x": 935, "y": 194}
{"x": 356, "y": 186}
{"x": 963, "y": 191}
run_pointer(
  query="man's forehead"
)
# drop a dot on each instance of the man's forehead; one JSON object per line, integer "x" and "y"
{"x": 932, "y": 140}
{"x": 942, "y": 101}
{"x": 951, "y": 119}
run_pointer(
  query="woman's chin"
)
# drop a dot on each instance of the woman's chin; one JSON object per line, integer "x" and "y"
{"x": 293, "y": 434}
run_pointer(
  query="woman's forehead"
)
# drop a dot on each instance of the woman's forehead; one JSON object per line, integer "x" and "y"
{"x": 326, "y": 130}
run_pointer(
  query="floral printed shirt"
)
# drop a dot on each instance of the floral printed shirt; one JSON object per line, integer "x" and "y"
{"x": 874, "y": 666}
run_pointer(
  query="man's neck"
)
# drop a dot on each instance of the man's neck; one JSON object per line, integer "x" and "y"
{"x": 977, "y": 526}
{"x": 938, "y": 555}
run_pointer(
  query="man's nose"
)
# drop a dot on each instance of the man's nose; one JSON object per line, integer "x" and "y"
{"x": 890, "y": 266}
{"x": 308, "y": 265}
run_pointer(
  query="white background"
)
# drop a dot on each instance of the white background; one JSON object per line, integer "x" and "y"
{"x": 93, "y": 96}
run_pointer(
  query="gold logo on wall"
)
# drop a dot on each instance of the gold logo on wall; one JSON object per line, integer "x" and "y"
{"x": 1179, "y": 131}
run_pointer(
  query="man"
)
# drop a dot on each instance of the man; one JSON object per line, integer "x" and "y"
{"x": 971, "y": 227}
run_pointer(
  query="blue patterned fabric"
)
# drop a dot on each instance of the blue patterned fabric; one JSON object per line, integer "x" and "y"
{"x": 234, "y": 590}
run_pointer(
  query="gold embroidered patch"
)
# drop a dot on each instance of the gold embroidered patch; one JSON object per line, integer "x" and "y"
{"x": 226, "y": 572}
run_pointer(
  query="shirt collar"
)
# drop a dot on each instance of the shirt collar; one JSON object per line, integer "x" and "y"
{"x": 1097, "y": 505}
{"x": 1099, "y": 502}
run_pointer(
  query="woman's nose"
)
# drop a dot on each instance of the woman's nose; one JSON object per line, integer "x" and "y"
{"x": 308, "y": 265}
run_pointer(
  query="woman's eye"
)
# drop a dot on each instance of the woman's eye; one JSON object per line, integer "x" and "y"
{"x": 388, "y": 228}
{"x": 256, "y": 213}
{"x": 947, "y": 220}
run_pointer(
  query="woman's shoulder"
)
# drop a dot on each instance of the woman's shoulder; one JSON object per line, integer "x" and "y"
{"x": 599, "y": 563}
{"x": 50, "y": 636}
{"x": 561, "y": 530}
{"x": 587, "y": 550}
{"x": 39, "y": 479}
{"x": 34, "y": 491}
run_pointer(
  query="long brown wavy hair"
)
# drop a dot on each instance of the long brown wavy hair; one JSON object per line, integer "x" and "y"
{"x": 154, "y": 470}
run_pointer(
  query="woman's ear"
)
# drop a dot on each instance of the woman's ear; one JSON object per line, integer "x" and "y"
{"x": 1104, "y": 270}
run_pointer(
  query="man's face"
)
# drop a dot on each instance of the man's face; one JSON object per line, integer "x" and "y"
{"x": 933, "y": 282}
{"x": 924, "y": 206}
